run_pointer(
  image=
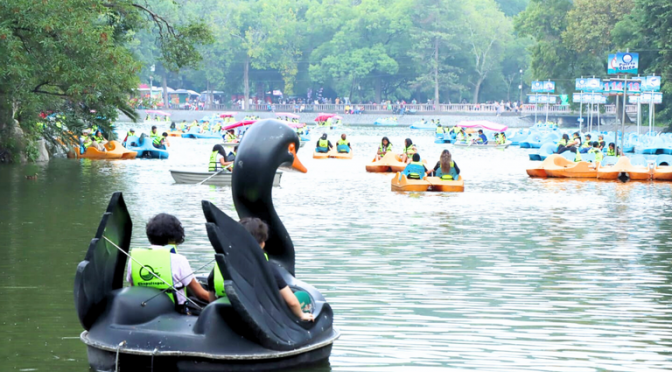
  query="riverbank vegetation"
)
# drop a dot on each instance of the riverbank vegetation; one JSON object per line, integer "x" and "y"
{"x": 73, "y": 57}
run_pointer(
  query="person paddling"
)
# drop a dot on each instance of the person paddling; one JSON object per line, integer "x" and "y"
{"x": 165, "y": 233}
{"x": 259, "y": 231}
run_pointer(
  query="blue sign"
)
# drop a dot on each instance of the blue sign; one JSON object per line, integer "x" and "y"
{"x": 589, "y": 98}
{"x": 543, "y": 87}
{"x": 589, "y": 85}
{"x": 623, "y": 63}
{"x": 542, "y": 99}
{"x": 650, "y": 83}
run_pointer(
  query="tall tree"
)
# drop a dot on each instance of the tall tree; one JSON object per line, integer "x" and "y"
{"x": 486, "y": 32}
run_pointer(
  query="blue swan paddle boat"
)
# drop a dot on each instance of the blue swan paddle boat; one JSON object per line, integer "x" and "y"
{"x": 252, "y": 329}
{"x": 145, "y": 149}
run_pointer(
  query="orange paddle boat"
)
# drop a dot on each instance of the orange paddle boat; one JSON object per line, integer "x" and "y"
{"x": 391, "y": 162}
{"x": 624, "y": 171}
{"x": 557, "y": 166}
{"x": 402, "y": 183}
{"x": 662, "y": 174}
{"x": 325, "y": 155}
{"x": 341, "y": 155}
{"x": 114, "y": 151}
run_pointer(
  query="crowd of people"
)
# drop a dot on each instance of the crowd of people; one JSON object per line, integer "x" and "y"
{"x": 578, "y": 146}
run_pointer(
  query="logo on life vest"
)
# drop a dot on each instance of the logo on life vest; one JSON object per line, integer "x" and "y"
{"x": 146, "y": 273}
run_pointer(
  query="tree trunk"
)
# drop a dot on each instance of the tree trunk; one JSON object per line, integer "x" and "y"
{"x": 477, "y": 89}
{"x": 246, "y": 81}
{"x": 436, "y": 72}
{"x": 379, "y": 89}
{"x": 164, "y": 84}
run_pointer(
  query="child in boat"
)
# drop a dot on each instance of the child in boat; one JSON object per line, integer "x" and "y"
{"x": 597, "y": 151}
{"x": 612, "y": 151}
{"x": 501, "y": 140}
{"x": 218, "y": 159}
{"x": 415, "y": 169}
{"x": 446, "y": 168}
{"x": 160, "y": 142}
{"x": 409, "y": 151}
{"x": 165, "y": 233}
{"x": 600, "y": 142}
{"x": 343, "y": 145}
{"x": 323, "y": 144}
{"x": 384, "y": 148}
{"x": 587, "y": 144}
{"x": 259, "y": 231}
{"x": 563, "y": 144}
{"x": 482, "y": 139}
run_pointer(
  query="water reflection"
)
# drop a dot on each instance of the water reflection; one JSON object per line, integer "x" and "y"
{"x": 513, "y": 274}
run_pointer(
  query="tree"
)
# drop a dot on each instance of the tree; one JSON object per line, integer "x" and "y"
{"x": 589, "y": 25}
{"x": 72, "y": 57}
{"x": 486, "y": 32}
{"x": 516, "y": 59}
{"x": 434, "y": 38}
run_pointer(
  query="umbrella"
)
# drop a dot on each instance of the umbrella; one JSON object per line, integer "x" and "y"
{"x": 483, "y": 124}
{"x": 287, "y": 114}
{"x": 294, "y": 125}
{"x": 239, "y": 124}
{"x": 158, "y": 112}
{"x": 324, "y": 117}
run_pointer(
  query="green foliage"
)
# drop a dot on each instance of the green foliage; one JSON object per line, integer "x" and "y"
{"x": 72, "y": 57}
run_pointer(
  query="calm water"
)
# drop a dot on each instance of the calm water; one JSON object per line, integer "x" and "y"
{"x": 514, "y": 274}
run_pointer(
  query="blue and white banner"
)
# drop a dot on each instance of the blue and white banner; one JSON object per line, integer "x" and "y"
{"x": 646, "y": 98}
{"x": 542, "y": 98}
{"x": 543, "y": 87}
{"x": 649, "y": 83}
{"x": 623, "y": 63}
{"x": 589, "y": 84}
{"x": 589, "y": 98}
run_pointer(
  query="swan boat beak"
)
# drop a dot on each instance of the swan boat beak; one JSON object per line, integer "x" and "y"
{"x": 296, "y": 164}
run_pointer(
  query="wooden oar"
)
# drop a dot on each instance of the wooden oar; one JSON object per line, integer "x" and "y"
{"x": 200, "y": 183}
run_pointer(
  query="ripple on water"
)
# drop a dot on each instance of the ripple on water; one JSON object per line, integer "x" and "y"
{"x": 513, "y": 274}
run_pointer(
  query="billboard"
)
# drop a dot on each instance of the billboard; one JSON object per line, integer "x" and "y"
{"x": 623, "y": 63}
{"x": 615, "y": 86}
{"x": 634, "y": 86}
{"x": 543, "y": 86}
{"x": 539, "y": 98}
{"x": 649, "y": 83}
{"x": 588, "y": 84}
{"x": 589, "y": 98}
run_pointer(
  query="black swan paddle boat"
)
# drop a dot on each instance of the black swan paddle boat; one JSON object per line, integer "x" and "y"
{"x": 138, "y": 328}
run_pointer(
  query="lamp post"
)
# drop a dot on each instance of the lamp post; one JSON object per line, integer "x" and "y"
{"x": 521, "y": 87}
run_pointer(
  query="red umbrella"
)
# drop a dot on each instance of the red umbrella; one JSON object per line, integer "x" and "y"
{"x": 324, "y": 117}
{"x": 239, "y": 124}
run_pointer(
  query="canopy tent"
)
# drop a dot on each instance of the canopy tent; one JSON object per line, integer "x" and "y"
{"x": 294, "y": 125}
{"x": 324, "y": 117}
{"x": 239, "y": 124}
{"x": 287, "y": 114}
{"x": 483, "y": 124}
{"x": 228, "y": 115}
{"x": 158, "y": 112}
{"x": 338, "y": 117}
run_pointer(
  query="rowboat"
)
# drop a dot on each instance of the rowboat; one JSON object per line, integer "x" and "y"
{"x": 222, "y": 179}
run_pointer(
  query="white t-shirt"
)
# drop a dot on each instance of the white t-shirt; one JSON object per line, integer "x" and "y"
{"x": 182, "y": 273}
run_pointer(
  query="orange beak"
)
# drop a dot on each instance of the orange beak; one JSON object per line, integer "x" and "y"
{"x": 297, "y": 163}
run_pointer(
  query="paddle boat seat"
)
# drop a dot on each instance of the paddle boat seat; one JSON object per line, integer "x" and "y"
{"x": 664, "y": 160}
{"x": 343, "y": 149}
{"x": 321, "y": 149}
{"x": 412, "y": 170}
{"x": 609, "y": 160}
{"x": 588, "y": 157}
{"x": 638, "y": 160}
{"x": 569, "y": 155}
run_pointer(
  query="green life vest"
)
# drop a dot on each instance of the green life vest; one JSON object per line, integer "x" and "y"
{"x": 439, "y": 130}
{"x": 214, "y": 164}
{"x": 456, "y": 129}
{"x": 87, "y": 141}
{"x": 157, "y": 141}
{"x": 130, "y": 134}
{"x": 577, "y": 158}
{"x": 410, "y": 150}
{"x": 562, "y": 142}
{"x": 218, "y": 281}
{"x": 156, "y": 261}
{"x": 386, "y": 149}
{"x": 342, "y": 142}
{"x": 611, "y": 152}
{"x": 154, "y": 134}
{"x": 230, "y": 137}
{"x": 323, "y": 143}
{"x": 99, "y": 139}
{"x": 586, "y": 144}
{"x": 597, "y": 152}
